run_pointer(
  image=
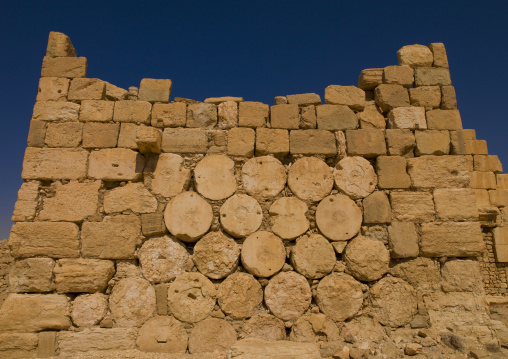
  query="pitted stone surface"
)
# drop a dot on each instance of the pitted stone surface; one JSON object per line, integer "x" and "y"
{"x": 239, "y": 295}
{"x": 31, "y": 275}
{"x": 211, "y": 335}
{"x": 339, "y": 296}
{"x": 355, "y": 177}
{"x": 163, "y": 258}
{"x": 263, "y": 254}
{"x": 314, "y": 328}
{"x": 188, "y": 216}
{"x": 162, "y": 335}
{"x": 132, "y": 196}
{"x": 367, "y": 259}
{"x": 265, "y": 327}
{"x": 82, "y": 275}
{"x": 241, "y": 215}
{"x": 313, "y": 256}
{"x": 215, "y": 177}
{"x": 288, "y": 295}
{"x": 363, "y": 329}
{"x": 288, "y": 217}
{"x": 191, "y": 297}
{"x": 89, "y": 309}
{"x": 263, "y": 176}
{"x": 310, "y": 179}
{"x": 216, "y": 255}
{"x": 338, "y": 217}
{"x": 115, "y": 164}
{"x": 132, "y": 302}
{"x": 393, "y": 301}
{"x": 170, "y": 176}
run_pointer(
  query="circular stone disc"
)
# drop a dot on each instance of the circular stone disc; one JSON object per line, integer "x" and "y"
{"x": 162, "y": 335}
{"x": 188, "y": 216}
{"x": 132, "y": 302}
{"x": 338, "y": 217}
{"x": 263, "y": 254}
{"x": 216, "y": 255}
{"x": 339, "y": 296}
{"x": 191, "y": 297}
{"x": 355, "y": 177}
{"x": 263, "y": 176}
{"x": 89, "y": 309}
{"x": 264, "y": 327}
{"x": 288, "y": 295}
{"x": 215, "y": 177}
{"x": 313, "y": 256}
{"x": 239, "y": 295}
{"x": 211, "y": 335}
{"x": 310, "y": 179}
{"x": 288, "y": 216}
{"x": 367, "y": 259}
{"x": 241, "y": 215}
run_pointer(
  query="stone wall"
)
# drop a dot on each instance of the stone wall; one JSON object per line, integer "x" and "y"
{"x": 185, "y": 226}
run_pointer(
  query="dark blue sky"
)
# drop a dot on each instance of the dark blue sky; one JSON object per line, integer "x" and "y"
{"x": 254, "y": 49}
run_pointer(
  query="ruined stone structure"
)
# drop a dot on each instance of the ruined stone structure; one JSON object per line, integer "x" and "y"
{"x": 369, "y": 226}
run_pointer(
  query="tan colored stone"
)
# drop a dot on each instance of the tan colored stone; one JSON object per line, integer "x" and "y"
{"x": 170, "y": 176}
{"x": 188, "y": 216}
{"x": 499, "y": 197}
{"x": 355, "y": 177}
{"x": 115, "y": 93}
{"x": 26, "y": 205}
{"x": 227, "y": 114}
{"x": 288, "y": 217}
{"x": 241, "y": 215}
{"x": 310, "y": 179}
{"x": 366, "y": 259}
{"x": 66, "y": 134}
{"x": 96, "y": 339}
{"x": 422, "y": 273}
{"x": 215, "y": 177}
{"x": 219, "y": 100}
{"x": 133, "y": 196}
{"x": 32, "y": 275}
{"x": 169, "y": 114}
{"x": 400, "y": 142}
{"x": 202, "y": 115}
{"x": 252, "y": 114}
{"x": 370, "y": 117}
{"x": 309, "y": 142}
{"x": 64, "y": 67}
{"x": 501, "y": 243}
{"x": 439, "y": 171}
{"x": 487, "y": 163}
{"x": 272, "y": 141}
{"x": 18, "y": 345}
{"x": 444, "y": 120}
{"x": 82, "y": 275}
{"x": 335, "y": 118}
{"x": 455, "y": 204}
{"x": 113, "y": 238}
{"x": 280, "y": 100}
{"x": 53, "y": 89}
{"x": 285, "y": 116}
{"x": 191, "y": 297}
{"x": 412, "y": 206}
{"x": 288, "y": 295}
{"x": 363, "y": 329}
{"x": 313, "y": 256}
{"x": 451, "y": 240}
{"x": 239, "y": 295}
{"x": 502, "y": 181}
{"x": 100, "y": 135}
{"x": 132, "y": 302}
{"x": 155, "y": 90}
{"x": 432, "y": 76}
{"x": 89, "y": 309}
{"x": 263, "y": 254}
{"x": 425, "y": 96}
{"x": 162, "y": 335}
{"x": 96, "y": 111}
{"x": 264, "y": 327}
{"x": 47, "y": 344}
{"x": 211, "y": 335}
{"x": 370, "y": 78}
{"x": 392, "y": 172}
{"x": 461, "y": 275}
{"x": 261, "y": 349}
{"x": 367, "y": 143}
{"x": 350, "y": 96}
{"x": 389, "y": 96}
{"x": 86, "y": 89}
{"x": 308, "y": 117}
{"x": 340, "y": 137}
{"x": 216, "y": 255}
{"x": 304, "y": 99}
{"x": 403, "y": 240}
{"x": 432, "y": 142}
{"x": 161, "y": 298}
{"x": 338, "y": 217}
{"x": 415, "y": 56}
{"x": 400, "y": 75}
{"x": 263, "y": 176}
{"x": 148, "y": 139}
{"x": 241, "y": 142}
{"x": 448, "y": 98}
{"x": 439, "y": 52}
{"x": 37, "y": 134}
{"x": 393, "y": 301}
{"x": 314, "y": 328}
{"x": 463, "y": 142}
{"x": 376, "y": 208}
{"x": 132, "y": 112}
{"x": 59, "y": 45}
{"x": 115, "y": 164}
{"x": 407, "y": 117}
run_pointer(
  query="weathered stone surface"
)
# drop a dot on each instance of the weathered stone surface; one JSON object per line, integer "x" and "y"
{"x": 66, "y": 134}
{"x": 392, "y": 172}
{"x": 370, "y": 78}
{"x": 393, "y": 302}
{"x": 227, "y": 112}
{"x": 313, "y": 256}
{"x": 407, "y": 117}
{"x": 412, "y": 206}
{"x": 304, "y": 99}
{"x": 485, "y": 180}
{"x": 154, "y": 90}
{"x": 89, "y": 309}
{"x": 52, "y": 89}
{"x": 96, "y": 339}
{"x": 215, "y": 177}
{"x": 263, "y": 176}
{"x": 422, "y": 273}
{"x": 18, "y": 345}
{"x": 285, "y": 116}
{"x": 432, "y": 76}
{"x": 370, "y": 117}
{"x": 64, "y": 67}
{"x": 32, "y": 275}
{"x": 96, "y": 111}
{"x": 211, "y": 335}
{"x": 448, "y": 98}
{"x": 432, "y": 142}
{"x": 310, "y": 179}
{"x": 499, "y": 197}
{"x": 132, "y": 112}
{"x": 201, "y": 115}
{"x": 288, "y": 295}
{"x": 59, "y": 45}
{"x": 86, "y": 89}
{"x": 439, "y": 171}
{"x": 415, "y": 56}
{"x": 132, "y": 302}
{"x": 400, "y": 142}
{"x": 216, "y": 255}
{"x": 54, "y": 163}
{"x": 219, "y": 100}
{"x": 314, "y": 328}
{"x": 82, "y": 275}
{"x": 132, "y": 196}
{"x": 400, "y": 75}
{"x": 355, "y": 177}
{"x": 47, "y": 344}
{"x": 338, "y": 217}
{"x": 37, "y": 134}
{"x": 367, "y": 143}
{"x": 288, "y": 217}
{"x": 335, "y": 118}
{"x": 241, "y": 142}
{"x": 487, "y": 164}
{"x": 389, "y": 96}
{"x": 403, "y": 240}
{"x": 425, "y": 96}
{"x": 350, "y": 96}
{"x": 444, "y": 120}
{"x": 339, "y": 296}
{"x": 439, "y": 52}
{"x": 308, "y": 117}
{"x": 263, "y": 254}
{"x": 455, "y": 204}
{"x": 169, "y": 114}
{"x": 451, "y": 239}
{"x": 363, "y": 329}
{"x": 461, "y": 275}
{"x": 252, "y": 114}
{"x": 113, "y": 238}
{"x": 239, "y": 295}
{"x": 253, "y": 348}
{"x": 26, "y": 205}
{"x": 148, "y": 139}
{"x": 309, "y": 142}
{"x": 170, "y": 176}
{"x": 191, "y": 297}
{"x": 115, "y": 93}
{"x": 366, "y": 259}
{"x": 265, "y": 327}
{"x": 241, "y": 215}
{"x": 376, "y": 208}
{"x": 34, "y": 313}
{"x": 100, "y": 135}
{"x": 188, "y": 216}
{"x": 115, "y": 164}
{"x": 272, "y": 141}
{"x": 162, "y": 335}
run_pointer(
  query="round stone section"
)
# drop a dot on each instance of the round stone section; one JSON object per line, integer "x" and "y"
{"x": 216, "y": 255}
{"x": 239, "y": 295}
{"x": 241, "y": 215}
{"x": 338, "y": 217}
{"x": 132, "y": 302}
{"x": 170, "y": 176}
{"x": 263, "y": 254}
{"x": 264, "y": 327}
{"x": 339, "y": 296}
{"x": 314, "y": 328}
{"x": 215, "y": 177}
{"x": 288, "y": 295}
{"x": 313, "y": 256}
{"x": 188, "y": 216}
{"x": 191, "y": 297}
{"x": 367, "y": 259}
{"x": 288, "y": 217}
{"x": 263, "y": 176}
{"x": 393, "y": 301}
{"x": 162, "y": 335}
{"x": 310, "y": 179}
{"x": 355, "y": 177}
{"x": 211, "y": 335}
{"x": 163, "y": 258}
{"x": 89, "y": 309}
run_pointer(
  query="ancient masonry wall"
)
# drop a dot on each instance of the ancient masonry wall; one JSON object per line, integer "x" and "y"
{"x": 185, "y": 226}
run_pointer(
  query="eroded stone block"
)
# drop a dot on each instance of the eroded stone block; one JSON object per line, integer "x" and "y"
{"x": 285, "y": 116}
{"x": 412, "y": 206}
{"x": 415, "y": 56}
{"x": 169, "y": 114}
{"x": 155, "y": 90}
{"x": 370, "y": 78}
{"x": 100, "y": 135}
{"x": 368, "y": 143}
{"x": 69, "y": 67}
{"x": 432, "y": 76}
{"x": 456, "y": 204}
{"x": 82, "y": 275}
{"x": 335, "y": 118}
{"x": 389, "y": 96}
{"x": 272, "y": 141}
{"x": 184, "y": 140}
{"x": 462, "y": 239}
{"x": 96, "y": 111}
{"x": 55, "y": 111}
{"x": 439, "y": 171}
{"x": 87, "y": 89}
{"x": 53, "y": 89}
{"x": 351, "y": 96}
{"x": 308, "y": 142}
{"x": 241, "y": 142}
{"x": 252, "y": 114}
{"x": 403, "y": 240}
{"x": 32, "y": 275}
{"x": 201, "y": 115}
{"x": 116, "y": 164}
{"x": 132, "y": 111}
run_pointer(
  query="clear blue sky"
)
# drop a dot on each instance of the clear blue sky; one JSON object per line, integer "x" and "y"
{"x": 254, "y": 49}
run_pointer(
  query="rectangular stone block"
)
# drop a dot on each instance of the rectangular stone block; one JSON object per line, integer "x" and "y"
{"x": 412, "y": 118}
{"x": 456, "y": 204}
{"x": 55, "y": 111}
{"x": 335, "y": 118}
{"x": 400, "y": 75}
{"x": 149, "y": 139}
{"x": 184, "y": 140}
{"x": 115, "y": 93}
{"x": 308, "y": 142}
{"x": 501, "y": 243}
{"x": 127, "y": 135}
{"x": 351, "y": 96}
{"x": 390, "y": 96}
{"x": 391, "y": 171}
{"x": 285, "y": 116}
{"x": 502, "y": 180}
{"x": 100, "y": 339}
{"x": 487, "y": 163}
{"x": 217, "y": 141}
{"x": 64, "y": 134}
{"x": 425, "y": 96}
{"x": 432, "y": 142}
{"x": 439, "y": 52}
{"x": 241, "y": 142}
{"x": 499, "y": 198}
{"x": 444, "y": 120}
{"x": 116, "y": 164}
{"x": 169, "y": 114}
{"x": 308, "y": 117}
{"x": 100, "y": 135}
{"x": 304, "y": 99}
{"x": 59, "y": 45}
{"x": 201, "y": 115}
{"x": 47, "y": 345}
{"x": 272, "y": 141}
{"x": 54, "y": 163}
{"x": 464, "y": 142}
{"x": 87, "y": 89}
{"x": 132, "y": 111}
{"x": 219, "y": 100}
{"x": 24, "y": 211}
{"x": 439, "y": 171}
{"x": 462, "y": 239}
{"x": 227, "y": 113}
{"x": 155, "y": 90}
{"x": 412, "y": 206}
{"x": 370, "y": 78}
{"x": 403, "y": 240}
{"x": 152, "y": 224}
{"x": 53, "y": 89}
{"x": 252, "y": 114}
{"x": 32, "y": 275}
{"x": 37, "y": 134}
{"x": 448, "y": 98}
{"x": 18, "y": 345}
{"x": 485, "y": 180}
{"x": 432, "y": 76}
{"x": 161, "y": 296}
{"x": 368, "y": 143}
{"x": 64, "y": 67}
{"x": 82, "y": 275}
{"x": 96, "y": 111}
{"x": 400, "y": 142}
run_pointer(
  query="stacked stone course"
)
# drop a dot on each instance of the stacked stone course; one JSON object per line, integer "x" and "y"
{"x": 186, "y": 226}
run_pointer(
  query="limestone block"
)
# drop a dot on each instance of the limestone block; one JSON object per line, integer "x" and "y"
{"x": 335, "y": 118}
{"x": 392, "y": 173}
{"x": 422, "y": 273}
{"x": 155, "y": 90}
{"x": 304, "y": 99}
{"x": 188, "y": 216}
{"x": 314, "y": 328}
{"x": 439, "y": 52}
{"x": 400, "y": 75}
{"x": 82, "y": 275}
{"x": 485, "y": 180}
{"x": 393, "y": 301}
{"x": 113, "y": 238}
{"x": 502, "y": 181}
{"x": 227, "y": 115}
{"x": 69, "y": 67}
{"x": 415, "y": 56}
{"x": 66, "y": 134}
{"x": 487, "y": 163}
{"x": 461, "y": 275}
{"x": 499, "y": 197}
{"x": 161, "y": 298}
{"x": 407, "y": 117}
{"x": 54, "y": 239}
{"x": 448, "y": 98}
{"x": 432, "y": 76}
{"x": 162, "y": 335}
{"x": 264, "y": 327}
{"x": 425, "y": 96}
{"x": 363, "y": 329}
{"x": 241, "y": 215}
{"x": 217, "y": 141}
{"x": 211, "y": 335}
{"x": 96, "y": 111}
{"x": 263, "y": 254}
{"x": 412, "y": 206}
{"x": 47, "y": 344}
{"x": 340, "y": 137}
{"x": 272, "y": 141}
{"x": 169, "y": 114}
{"x": 32, "y": 275}
{"x": 53, "y": 89}
{"x": 370, "y": 78}
{"x": 252, "y": 114}
{"x": 34, "y": 313}
{"x": 132, "y": 302}
{"x": 451, "y": 240}
{"x": 439, "y": 171}
{"x": 127, "y": 111}
{"x": 216, "y": 255}
{"x": 285, "y": 116}
{"x": 280, "y": 100}
{"x": 366, "y": 259}
{"x": 339, "y": 296}
{"x": 432, "y": 142}
{"x": 170, "y": 176}
{"x": 59, "y": 45}
{"x": 100, "y": 135}
{"x": 115, "y": 93}
{"x": 98, "y": 339}
{"x": 89, "y": 309}
{"x": 26, "y": 205}
{"x": 288, "y": 217}
{"x": 309, "y": 142}
{"x": 355, "y": 177}
{"x": 56, "y": 111}
{"x": 18, "y": 345}
{"x": 191, "y": 297}
{"x": 219, "y": 100}
{"x": 201, "y": 115}
{"x": 86, "y": 89}
{"x": 241, "y": 141}
{"x": 367, "y": 143}
{"x": 371, "y": 117}
{"x": 376, "y": 208}
{"x": 310, "y": 179}
{"x": 389, "y": 96}
{"x": 240, "y": 295}
{"x": 403, "y": 240}
{"x": 215, "y": 177}
{"x": 400, "y": 142}
{"x": 148, "y": 139}
{"x": 184, "y": 140}
{"x": 288, "y": 295}
{"x": 444, "y": 120}
{"x": 115, "y": 164}
{"x": 351, "y": 96}
{"x": 338, "y": 217}
{"x": 455, "y": 204}
{"x": 256, "y": 348}
{"x": 308, "y": 117}
{"x": 313, "y": 256}
{"x": 37, "y": 134}
{"x": 501, "y": 243}
{"x": 463, "y": 142}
